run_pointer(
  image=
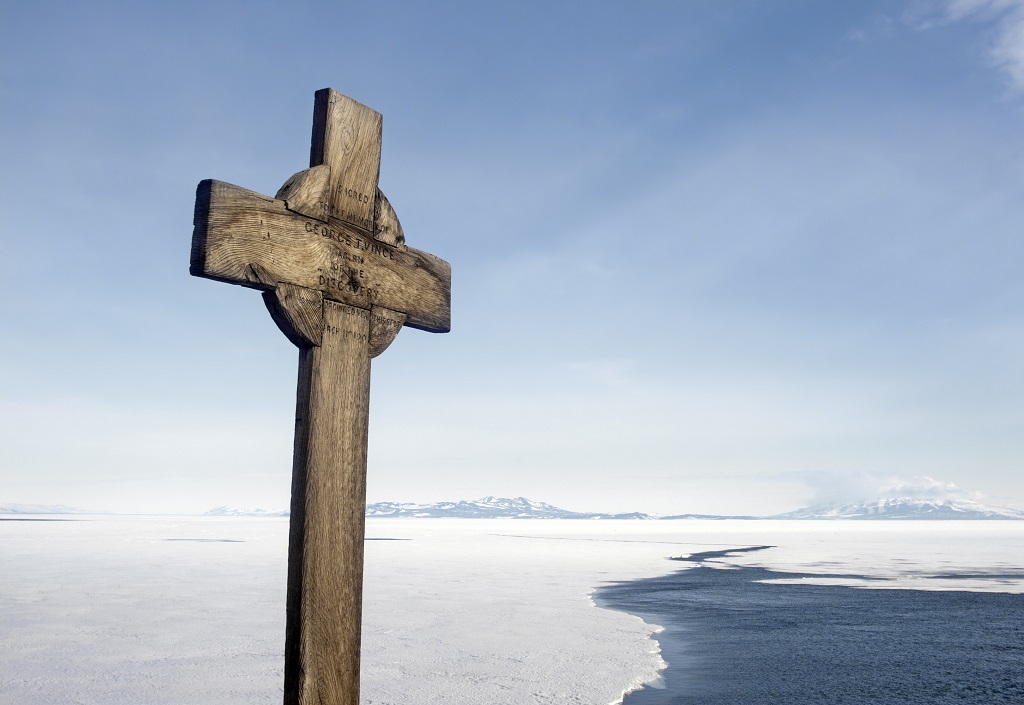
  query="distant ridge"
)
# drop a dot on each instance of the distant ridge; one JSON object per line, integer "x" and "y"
{"x": 898, "y": 508}
{"x": 880, "y": 509}
{"x": 489, "y": 508}
{"x": 484, "y": 508}
{"x": 905, "y": 508}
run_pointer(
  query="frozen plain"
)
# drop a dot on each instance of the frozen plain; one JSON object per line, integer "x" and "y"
{"x": 181, "y": 610}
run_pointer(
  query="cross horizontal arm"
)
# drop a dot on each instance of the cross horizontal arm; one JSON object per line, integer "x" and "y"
{"x": 242, "y": 237}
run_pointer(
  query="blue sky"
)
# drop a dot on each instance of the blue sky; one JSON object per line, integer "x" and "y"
{"x": 707, "y": 256}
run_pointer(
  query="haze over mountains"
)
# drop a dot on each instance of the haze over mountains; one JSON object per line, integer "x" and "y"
{"x": 237, "y": 512}
{"x": 490, "y": 507}
{"x": 522, "y": 508}
{"x": 903, "y": 508}
{"x": 44, "y": 509}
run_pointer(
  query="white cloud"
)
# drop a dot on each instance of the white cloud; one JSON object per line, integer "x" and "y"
{"x": 924, "y": 487}
{"x": 838, "y": 488}
{"x": 1006, "y": 17}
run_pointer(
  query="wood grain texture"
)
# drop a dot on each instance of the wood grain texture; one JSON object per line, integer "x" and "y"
{"x": 330, "y": 256}
{"x": 347, "y": 137}
{"x": 307, "y": 192}
{"x": 325, "y": 555}
{"x": 386, "y": 227}
{"x": 243, "y": 237}
{"x": 298, "y": 312}
{"x": 384, "y": 326}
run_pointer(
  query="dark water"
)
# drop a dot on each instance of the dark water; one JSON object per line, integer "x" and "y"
{"x": 730, "y": 640}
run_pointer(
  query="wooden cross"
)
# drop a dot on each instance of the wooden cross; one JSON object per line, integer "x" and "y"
{"x": 340, "y": 282}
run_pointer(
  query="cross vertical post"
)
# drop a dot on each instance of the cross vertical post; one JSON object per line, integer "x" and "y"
{"x": 325, "y": 542}
{"x": 338, "y": 279}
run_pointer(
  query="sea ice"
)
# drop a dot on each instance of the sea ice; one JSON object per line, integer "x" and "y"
{"x": 172, "y": 610}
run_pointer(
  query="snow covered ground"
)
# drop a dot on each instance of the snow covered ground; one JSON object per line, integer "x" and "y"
{"x": 179, "y": 610}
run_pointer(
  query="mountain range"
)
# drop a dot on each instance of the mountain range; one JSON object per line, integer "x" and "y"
{"x": 489, "y": 508}
{"x": 522, "y": 508}
{"x": 907, "y": 508}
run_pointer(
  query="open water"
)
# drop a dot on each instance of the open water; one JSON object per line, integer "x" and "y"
{"x": 731, "y": 640}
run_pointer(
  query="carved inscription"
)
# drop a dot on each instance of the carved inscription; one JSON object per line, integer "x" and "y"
{"x": 344, "y": 273}
{"x": 346, "y": 279}
{"x": 230, "y": 243}
{"x": 388, "y": 324}
{"x": 348, "y": 311}
{"x": 345, "y": 237}
{"x": 355, "y": 195}
{"x": 352, "y": 216}
{"x": 328, "y": 248}
{"x": 384, "y": 326}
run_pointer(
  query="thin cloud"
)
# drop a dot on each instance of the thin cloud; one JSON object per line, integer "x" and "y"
{"x": 924, "y": 487}
{"x": 877, "y": 26}
{"x": 839, "y": 488}
{"x": 1006, "y": 17}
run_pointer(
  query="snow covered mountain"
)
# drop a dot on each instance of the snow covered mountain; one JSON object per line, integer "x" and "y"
{"x": 905, "y": 508}
{"x": 523, "y": 508}
{"x": 485, "y": 508}
{"x": 488, "y": 508}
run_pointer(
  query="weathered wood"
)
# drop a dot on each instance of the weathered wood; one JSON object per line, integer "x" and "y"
{"x": 347, "y": 137}
{"x": 298, "y": 312}
{"x": 325, "y": 563}
{"x": 384, "y": 326}
{"x": 329, "y": 254}
{"x": 386, "y": 227}
{"x": 308, "y": 192}
{"x": 243, "y": 237}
